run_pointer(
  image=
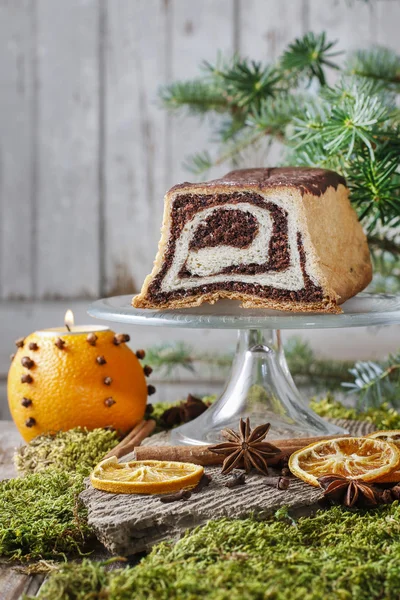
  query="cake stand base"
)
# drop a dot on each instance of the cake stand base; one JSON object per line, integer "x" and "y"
{"x": 261, "y": 387}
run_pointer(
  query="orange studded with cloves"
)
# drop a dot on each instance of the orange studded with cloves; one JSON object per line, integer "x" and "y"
{"x": 57, "y": 382}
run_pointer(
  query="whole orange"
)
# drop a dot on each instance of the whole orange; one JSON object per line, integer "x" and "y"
{"x": 58, "y": 381}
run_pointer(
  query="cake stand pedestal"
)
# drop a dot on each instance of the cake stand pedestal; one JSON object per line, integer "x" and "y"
{"x": 260, "y": 385}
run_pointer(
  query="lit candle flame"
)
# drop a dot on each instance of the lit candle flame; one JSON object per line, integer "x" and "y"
{"x": 69, "y": 319}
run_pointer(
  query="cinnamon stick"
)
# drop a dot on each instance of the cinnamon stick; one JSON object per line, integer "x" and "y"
{"x": 134, "y": 438}
{"x": 201, "y": 455}
{"x": 306, "y": 441}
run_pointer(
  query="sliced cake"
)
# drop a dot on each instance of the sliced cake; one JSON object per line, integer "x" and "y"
{"x": 284, "y": 238}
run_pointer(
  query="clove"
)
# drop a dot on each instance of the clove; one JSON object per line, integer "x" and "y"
{"x": 121, "y": 338}
{"x": 283, "y": 483}
{"x": 140, "y": 354}
{"x": 204, "y": 482}
{"x": 396, "y": 492}
{"x": 27, "y": 378}
{"x": 386, "y": 497}
{"x": 26, "y": 402}
{"x": 27, "y": 362}
{"x": 12, "y": 356}
{"x": 181, "y": 495}
{"x": 280, "y": 483}
{"x": 107, "y": 380}
{"x": 149, "y": 409}
{"x": 20, "y": 342}
{"x": 151, "y": 390}
{"x": 101, "y": 360}
{"x": 59, "y": 343}
{"x": 109, "y": 402}
{"x": 91, "y": 339}
{"x": 236, "y": 479}
{"x": 147, "y": 370}
{"x": 30, "y": 422}
{"x": 33, "y": 346}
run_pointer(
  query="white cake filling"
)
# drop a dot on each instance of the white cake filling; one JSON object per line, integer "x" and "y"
{"x": 207, "y": 263}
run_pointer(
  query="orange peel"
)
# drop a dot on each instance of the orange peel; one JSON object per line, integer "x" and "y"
{"x": 144, "y": 476}
{"x": 392, "y": 436}
{"x": 353, "y": 457}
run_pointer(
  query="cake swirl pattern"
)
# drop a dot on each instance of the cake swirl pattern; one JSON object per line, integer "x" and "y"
{"x": 254, "y": 236}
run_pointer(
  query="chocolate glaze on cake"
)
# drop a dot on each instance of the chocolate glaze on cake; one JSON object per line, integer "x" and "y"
{"x": 307, "y": 180}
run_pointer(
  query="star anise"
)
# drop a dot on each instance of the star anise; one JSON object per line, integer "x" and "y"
{"x": 343, "y": 490}
{"x": 245, "y": 449}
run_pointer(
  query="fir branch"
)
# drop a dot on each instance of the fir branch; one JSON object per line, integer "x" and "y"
{"x": 380, "y": 64}
{"x": 230, "y": 128}
{"x": 197, "y": 97}
{"x": 166, "y": 358}
{"x": 275, "y": 114}
{"x": 375, "y": 185}
{"x": 305, "y": 367}
{"x": 375, "y": 382}
{"x": 384, "y": 244}
{"x": 345, "y": 120}
{"x": 352, "y": 127}
{"x": 308, "y": 56}
{"x": 202, "y": 162}
{"x": 199, "y": 163}
{"x": 246, "y": 82}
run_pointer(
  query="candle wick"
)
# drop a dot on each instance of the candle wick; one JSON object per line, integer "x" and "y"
{"x": 68, "y": 327}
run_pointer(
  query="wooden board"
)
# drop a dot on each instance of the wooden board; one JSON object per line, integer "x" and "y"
{"x": 86, "y": 152}
{"x": 10, "y": 439}
{"x": 350, "y": 25}
{"x": 385, "y": 24}
{"x": 266, "y": 27}
{"x": 14, "y": 583}
{"x": 127, "y": 524}
{"x": 67, "y": 238}
{"x": 17, "y": 153}
{"x": 136, "y": 43}
{"x": 199, "y": 30}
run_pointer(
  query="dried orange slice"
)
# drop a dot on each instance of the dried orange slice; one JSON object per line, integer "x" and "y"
{"x": 353, "y": 457}
{"x": 393, "y": 436}
{"x": 144, "y": 476}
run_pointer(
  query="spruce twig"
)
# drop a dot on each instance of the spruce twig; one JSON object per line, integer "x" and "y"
{"x": 352, "y": 127}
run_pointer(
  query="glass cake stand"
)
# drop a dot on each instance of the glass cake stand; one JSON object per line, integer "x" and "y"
{"x": 260, "y": 385}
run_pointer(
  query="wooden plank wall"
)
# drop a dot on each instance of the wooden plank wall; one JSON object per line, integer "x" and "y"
{"x": 86, "y": 152}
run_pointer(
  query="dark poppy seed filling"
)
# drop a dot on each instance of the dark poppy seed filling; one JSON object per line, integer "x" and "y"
{"x": 224, "y": 227}
{"x": 237, "y": 228}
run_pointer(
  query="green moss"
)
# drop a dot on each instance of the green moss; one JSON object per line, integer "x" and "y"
{"x": 40, "y": 516}
{"x": 74, "y": 450}
{"x": 337, "y": 554}
{"x": 383, "y": 417}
